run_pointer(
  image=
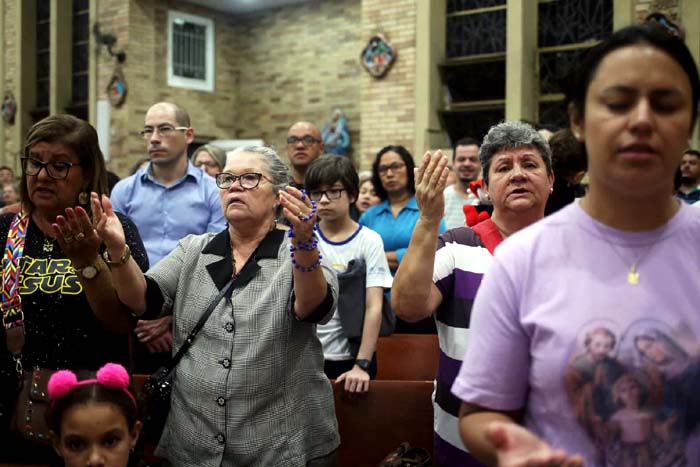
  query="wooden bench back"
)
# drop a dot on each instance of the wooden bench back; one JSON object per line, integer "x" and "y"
{"x": 374, "y": 424}
{"x": 412, "y": 357}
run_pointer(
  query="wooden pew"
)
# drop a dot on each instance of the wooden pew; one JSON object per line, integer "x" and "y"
{"x": 407, "y": 357}
{"x": 374, "y": 424}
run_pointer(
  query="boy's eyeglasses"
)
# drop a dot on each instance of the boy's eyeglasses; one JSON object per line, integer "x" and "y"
{"x": 330, "y": 194}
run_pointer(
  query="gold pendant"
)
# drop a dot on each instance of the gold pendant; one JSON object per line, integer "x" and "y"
{"x": 633, "y": 276}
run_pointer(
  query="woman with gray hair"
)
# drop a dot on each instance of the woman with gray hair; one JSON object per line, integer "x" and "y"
{"x": 250, "y": 390}
{"x": 517, "y": 165}
{"x": 443, "y": 283}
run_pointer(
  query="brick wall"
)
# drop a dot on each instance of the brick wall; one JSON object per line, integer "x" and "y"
{"x": 299, "y": 63}
{"x": 388, "y": 104}
{"x": 141, "y": 27}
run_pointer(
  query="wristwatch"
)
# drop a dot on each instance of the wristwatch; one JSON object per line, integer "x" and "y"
{"x": 364, "y": 364}
{"x": 90, "y": 271}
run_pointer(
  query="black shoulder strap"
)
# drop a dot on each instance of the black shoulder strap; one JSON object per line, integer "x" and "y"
{"x": 200, "y": 324}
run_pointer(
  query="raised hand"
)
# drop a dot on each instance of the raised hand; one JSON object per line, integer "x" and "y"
{"x": 300, "y": 212}
{"x": 107, "y": 224}
{"x": 431, "y": 179}
{"x": 518, "y": 447}
{"x": 77, "y": 237}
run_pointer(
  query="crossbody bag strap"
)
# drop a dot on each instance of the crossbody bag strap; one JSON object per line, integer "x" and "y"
{"x": 11, "y": 303}
{"x": 200, "y": 324}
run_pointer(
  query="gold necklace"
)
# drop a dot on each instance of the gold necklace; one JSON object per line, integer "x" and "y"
{"x": 632, "y": 272}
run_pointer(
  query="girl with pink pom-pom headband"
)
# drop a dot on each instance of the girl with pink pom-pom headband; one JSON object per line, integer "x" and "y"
{"x": 111, "y": 375}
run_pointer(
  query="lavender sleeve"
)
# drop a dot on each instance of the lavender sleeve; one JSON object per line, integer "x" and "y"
{"x": 494, "y": 373}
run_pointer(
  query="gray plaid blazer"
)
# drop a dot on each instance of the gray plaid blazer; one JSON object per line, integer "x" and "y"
{"x": 251, "y": 390}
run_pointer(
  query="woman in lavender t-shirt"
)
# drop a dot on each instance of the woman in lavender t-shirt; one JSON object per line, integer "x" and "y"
{"x": 585, "y": 337}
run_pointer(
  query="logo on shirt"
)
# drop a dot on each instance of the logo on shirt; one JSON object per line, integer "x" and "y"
{"x": 635, "y": 393}
{"x": 48, "y": 276}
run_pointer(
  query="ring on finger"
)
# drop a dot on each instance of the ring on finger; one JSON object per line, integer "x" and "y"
{"x": 80, "y": 236}
{"x": 67, "y": 238}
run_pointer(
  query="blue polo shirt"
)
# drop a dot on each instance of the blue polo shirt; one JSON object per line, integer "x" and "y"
{"x": 395, "y": 231}
{"x": 165, "y": 214}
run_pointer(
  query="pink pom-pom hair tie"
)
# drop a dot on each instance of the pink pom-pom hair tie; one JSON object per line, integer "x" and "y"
{"x": 111, "y": 375}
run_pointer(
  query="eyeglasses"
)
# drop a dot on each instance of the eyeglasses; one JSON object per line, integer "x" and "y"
{"x": 163, "y": 130}
{"x": 308, "y": 140}
{"x": 248, "y": 181}
{"x": 55, "y": 170}
{"x": 382, "y": 169}
{"x": 330, "y": 194}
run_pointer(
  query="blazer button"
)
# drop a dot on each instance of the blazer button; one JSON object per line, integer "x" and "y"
{"x": 221, "y": 401}
{"x": 226, "y": 363}
{"x": 220, "y": 438}
{"x": 229, "y": 327}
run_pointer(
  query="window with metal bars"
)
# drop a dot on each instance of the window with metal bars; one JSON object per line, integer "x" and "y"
{"x": 190, "y": 51}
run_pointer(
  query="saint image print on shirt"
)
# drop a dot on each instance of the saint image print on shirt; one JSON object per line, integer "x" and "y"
{"x": 635, "y": 392}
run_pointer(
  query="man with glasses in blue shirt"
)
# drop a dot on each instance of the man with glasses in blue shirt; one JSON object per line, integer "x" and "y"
{"x": 304, "y": 145}
{"x": 168, "y": 199}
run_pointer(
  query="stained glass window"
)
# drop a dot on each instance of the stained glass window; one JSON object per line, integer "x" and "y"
{"x": 567, "y": 30}
{"x": 81, "y": 38}
{"x": 475, "y": 123}
{"x": 475, "y": 34}
{"x": 554, "y": 113}
{"x": 555, "y": 68}
{"x": 43, "y": 44}
{"x": 574, "y": 21}
{"x": 475, "y": 81}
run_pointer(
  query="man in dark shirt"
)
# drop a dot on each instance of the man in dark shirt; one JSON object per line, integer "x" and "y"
{"x": 690, "y": 177}
{"x": 304, "y": 145}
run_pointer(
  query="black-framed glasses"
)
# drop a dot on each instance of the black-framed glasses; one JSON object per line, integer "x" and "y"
{"x": 163, "y": 130}
{"x": 55, "y": 170}
{"x": 382, "y": 169}
{"x": 335, "y": 193}
{"x": 308, "y": 140}
{"x": 248, "y": 181}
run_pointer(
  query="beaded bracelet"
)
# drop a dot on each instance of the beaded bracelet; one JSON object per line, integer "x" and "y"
{"x": 309, "y": 245}
{"x": 306, "y": 269}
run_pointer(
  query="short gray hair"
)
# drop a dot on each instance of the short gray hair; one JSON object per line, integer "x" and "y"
{"x": 511, "y": 135}
{"x": 275, "y": 167}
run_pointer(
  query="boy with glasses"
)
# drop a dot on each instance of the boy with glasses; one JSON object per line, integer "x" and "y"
{"x": 332, "y": 182}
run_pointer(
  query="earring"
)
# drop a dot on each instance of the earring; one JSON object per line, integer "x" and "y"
{"x": 551, "y": 190}
{"x": 83, "y": 197}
